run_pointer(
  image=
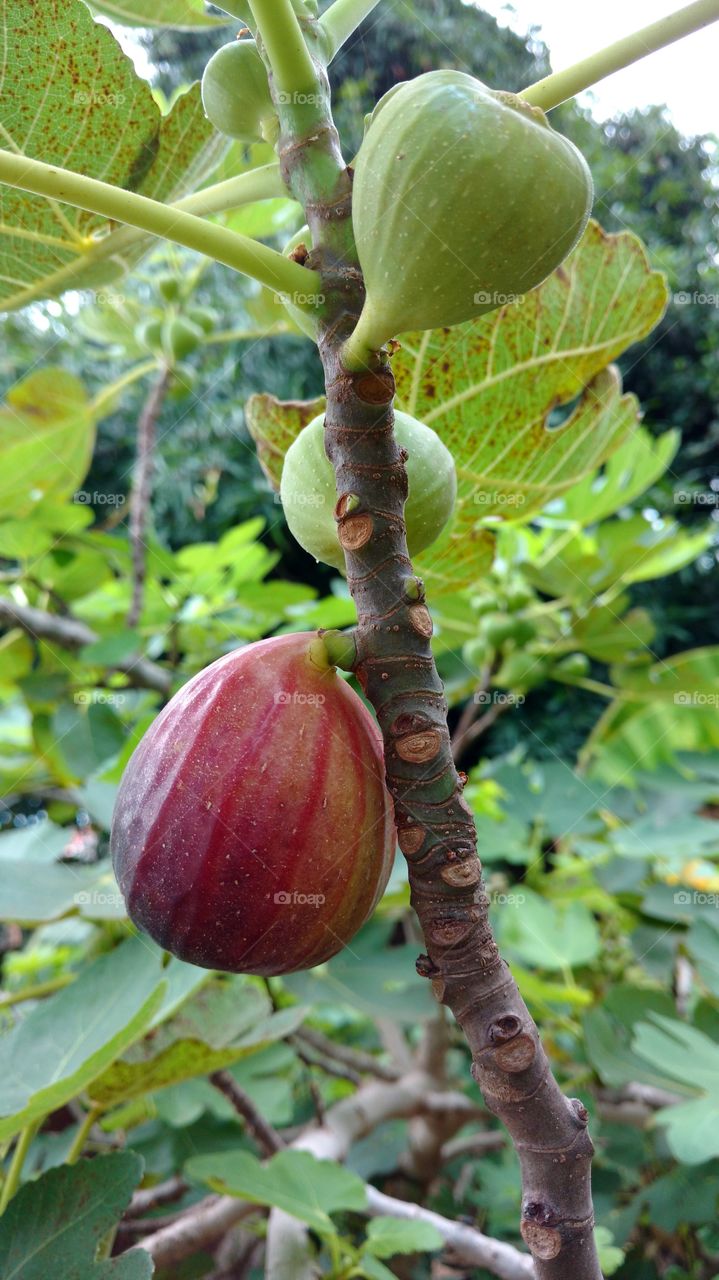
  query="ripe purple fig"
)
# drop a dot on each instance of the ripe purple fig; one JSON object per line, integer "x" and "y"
{"x": 253, "y": 831}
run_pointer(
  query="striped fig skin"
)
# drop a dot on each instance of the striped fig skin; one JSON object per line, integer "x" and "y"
{"x": 253, "y": 831}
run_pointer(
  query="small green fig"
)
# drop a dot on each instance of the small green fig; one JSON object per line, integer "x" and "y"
{"x": 205, "y": 318}
{"x": 464, "y": 199}
{"x": 180, "y": 337}
{"x": 169, "y": 287}
{"x": 236, "y": 93}
{"x": 521, "y": 671}
{"x": 149, "y": 334}
{"x": 309, "y": 494}
{"x": 575, "y": 664}
{"x": 501, "y": 628}
{"x": 476, "y": 654}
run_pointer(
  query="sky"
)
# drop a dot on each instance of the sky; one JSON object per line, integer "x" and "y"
{"x": 684, "y": 75}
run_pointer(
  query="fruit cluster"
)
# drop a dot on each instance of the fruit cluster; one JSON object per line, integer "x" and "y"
{"x": 253, "y": 831}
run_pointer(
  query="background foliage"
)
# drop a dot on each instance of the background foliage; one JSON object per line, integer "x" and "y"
{"x": 580, "y": 650}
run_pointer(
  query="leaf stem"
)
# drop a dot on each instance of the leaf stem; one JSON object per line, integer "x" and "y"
{"x": 287, "y": 53}
{"x": 558, "y": 88}
{"x": 343, "y": 18}
{"x": 22, "y": 1146}
{"x": 229, "y": 247}
{"x": 81, "y": 1135}
{"x": 37, "y": 991}
{"x": 103, "y": 402}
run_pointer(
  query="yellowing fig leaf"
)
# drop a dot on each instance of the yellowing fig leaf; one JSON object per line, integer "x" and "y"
{"x": 46, "y": 441}
{"x": 71, "y": 97}
{"x": 490, "y": 388}
{"x": 183, "y": 15}
{"x": 274, "y": 424}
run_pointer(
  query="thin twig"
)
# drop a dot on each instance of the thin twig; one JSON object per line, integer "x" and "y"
{"x": 149, "y": 1198}
{"x": 265, "y": 1136}
{"x": 360, "y": 1061}
{"x": 70, "y": 633}
{"x": 141, "y": 495}
{"x": 330, "y": 1068}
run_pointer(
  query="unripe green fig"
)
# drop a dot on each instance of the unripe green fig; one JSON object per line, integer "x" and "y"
{"x": 575, "y": 664}
{"x": 501, "y": 628}
{"x": 309, "y": 494}
{"x": 518, "y": 598}
{"x": 464, "y": 199}
{"x": 236, "y": 94}
{"x": 180, "y": 337}
{"x": 205, "y": 318}
{"x": 476, "y": 653}
{"x": 253, "y": 831}
{"x": 521, "y": 671}
{"x": 149, "y": 334}
{"x": 484, "y": 603}
{"x": 169, "y": 287}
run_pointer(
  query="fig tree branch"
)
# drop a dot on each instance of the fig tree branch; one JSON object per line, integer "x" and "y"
{"x": 396, "y": 668}
{"x": 70, "y": 633}
{"x": 468, "y": 1245}
{"x": 359, "y": 1061}
{"x": 206, "y": 1222}
{"x": 141, "y": 494}
{"x": 229, "y": 247}
{"x": 562, "y": 85}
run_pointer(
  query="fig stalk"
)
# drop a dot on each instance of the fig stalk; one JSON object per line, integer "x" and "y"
{"x": 396, "y": 669}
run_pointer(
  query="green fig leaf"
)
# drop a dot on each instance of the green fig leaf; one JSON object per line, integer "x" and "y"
{"x": 181, "y": 15}
{"x": 111, "y": 129}
{"x": 490, "y": 388}
{"x": 54, "y": 1226}
{"x": 69, "y": 1039}
{"x": 640, "y": 461}
{"x": 305, "y": 1187}
{"x": 46, "y": 441}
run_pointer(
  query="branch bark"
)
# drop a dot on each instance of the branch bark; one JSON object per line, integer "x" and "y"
{"x": 141, "y": 495}
{"x": 205, "y": 1223}
{"x": 395, "y": 666}
{"x": 469, "y": 1246}
{"x": 71, "y": 633}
